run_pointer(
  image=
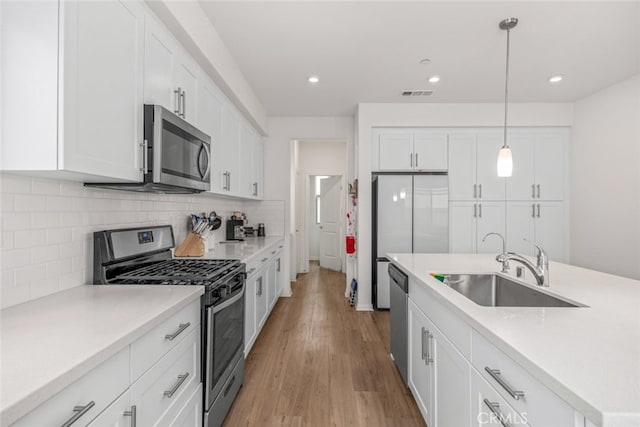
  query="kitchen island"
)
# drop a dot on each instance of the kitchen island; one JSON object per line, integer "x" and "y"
{"x": 588, "y": 357}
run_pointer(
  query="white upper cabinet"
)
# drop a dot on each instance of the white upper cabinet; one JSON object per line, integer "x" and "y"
{"x": 430, "y": 151}
{"x": 74, "y": 104}
{"x": 490, "y": 186}
{"x": 209, "y": 120}
{"x": 231, "y": 138}
{"x": 539, "y": 164}
{"x": 245, "y": 164}
{"x": 410, "y": 150}
{"x": 170, "y": 75}
{"x": 258, "y": 166}
{"x": 539, "y": 222}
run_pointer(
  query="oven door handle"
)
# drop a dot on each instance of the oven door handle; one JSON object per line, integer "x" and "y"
{"x": 227, "y": 303}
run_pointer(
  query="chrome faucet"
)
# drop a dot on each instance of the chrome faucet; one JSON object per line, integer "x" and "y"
{"x": 540, "y": 270}
{"x": 503, "y": 257}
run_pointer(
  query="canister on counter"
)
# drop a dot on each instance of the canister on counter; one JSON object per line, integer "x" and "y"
{"x": 261, "y": 232}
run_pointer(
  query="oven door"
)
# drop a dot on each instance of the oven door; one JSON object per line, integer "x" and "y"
{"x": 181, "y": 152}
{"x": 225, "y": 343}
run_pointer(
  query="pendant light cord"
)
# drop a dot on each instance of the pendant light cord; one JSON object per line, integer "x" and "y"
{"x": 506, "y": 92}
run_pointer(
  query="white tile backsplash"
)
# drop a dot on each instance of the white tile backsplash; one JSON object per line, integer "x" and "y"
{"x": 48, "y": 225}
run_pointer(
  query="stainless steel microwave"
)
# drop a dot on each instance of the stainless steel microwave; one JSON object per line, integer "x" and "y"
{"x": 176, "y": 156}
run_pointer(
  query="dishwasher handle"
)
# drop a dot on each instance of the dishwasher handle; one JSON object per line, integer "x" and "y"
{"x": 398, "y": 277}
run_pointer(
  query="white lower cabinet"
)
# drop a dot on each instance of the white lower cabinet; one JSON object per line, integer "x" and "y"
{"x": 149, "y": 383}
{"x": 479, "y": 387}
{"x": 175, "y": 375}
{"x": 438, "y": 373}
{"x": 488, "y": 408}
{"x": 119, "y": 414}
{"x": 263, "y": 287}
{"x": 420, "y": 374}
{"x": 85, "y": 398}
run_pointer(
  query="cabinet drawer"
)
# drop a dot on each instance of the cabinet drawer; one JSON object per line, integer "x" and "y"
{"x": 259, "y": 261}
{"x": 151, "y": 347}
{"x": 541, "y": 406}
{"x": 97, "y": 388}
{"x": 175, "y": 375}
{"x": 188, "y": 413}
{"x": 488, "y": 408}
{"x": 454, "y": 328}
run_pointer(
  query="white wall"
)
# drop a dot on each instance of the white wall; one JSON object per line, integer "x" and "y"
{"x": 429, "y": 115}
{"x": 47, "y": 228}
{"x": 281, "y": 159}
{"x": 605, "y": 180}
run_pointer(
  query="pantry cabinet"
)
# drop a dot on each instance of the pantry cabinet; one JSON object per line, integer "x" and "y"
{"x": 540, "y": 222}
{"x": 473, "y": 157}
{"x": 73, "y": 105}
{"x": 469, "y": 222}
{"x": 539, "y": 164}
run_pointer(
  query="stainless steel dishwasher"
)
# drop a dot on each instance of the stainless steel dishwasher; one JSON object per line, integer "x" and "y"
{"x": 399, "y": 288}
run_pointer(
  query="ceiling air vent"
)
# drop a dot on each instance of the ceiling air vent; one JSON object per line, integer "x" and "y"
{"x": 417, "y": 92}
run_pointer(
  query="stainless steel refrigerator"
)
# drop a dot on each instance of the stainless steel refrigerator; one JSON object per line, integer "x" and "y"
{"x": 410, "y": 215}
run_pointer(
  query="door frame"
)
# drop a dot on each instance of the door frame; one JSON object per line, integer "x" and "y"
{"x": 303, "y": 223}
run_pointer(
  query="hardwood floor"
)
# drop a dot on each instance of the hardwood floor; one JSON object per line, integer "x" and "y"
{"x": 318, "y": 362}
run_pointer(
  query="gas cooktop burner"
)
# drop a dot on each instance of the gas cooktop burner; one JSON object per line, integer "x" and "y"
{"x": 180, "y": 272}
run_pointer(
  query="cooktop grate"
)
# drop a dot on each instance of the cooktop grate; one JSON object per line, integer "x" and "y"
{"x": 182, "y": 271}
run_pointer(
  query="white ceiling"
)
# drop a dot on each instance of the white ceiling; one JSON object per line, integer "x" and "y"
{"x": 369, "y": 51}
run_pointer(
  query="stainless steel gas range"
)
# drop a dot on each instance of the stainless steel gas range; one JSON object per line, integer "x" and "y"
{"x": 143, "y": 256}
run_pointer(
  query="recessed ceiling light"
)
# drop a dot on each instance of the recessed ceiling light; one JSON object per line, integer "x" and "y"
{"x": 314, "y": 80}
{"x": 556, "y": 79}
{"x": 434, "y": 79}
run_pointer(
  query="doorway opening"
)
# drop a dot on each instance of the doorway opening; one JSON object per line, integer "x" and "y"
{"x": 320, "y": 204}
{"x": 324, "y": 230}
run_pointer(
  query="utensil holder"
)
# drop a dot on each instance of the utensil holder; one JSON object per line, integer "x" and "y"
{"x": 192, "y": 246}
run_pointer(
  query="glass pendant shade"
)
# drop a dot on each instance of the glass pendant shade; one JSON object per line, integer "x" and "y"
{"x": 505, "y": 162}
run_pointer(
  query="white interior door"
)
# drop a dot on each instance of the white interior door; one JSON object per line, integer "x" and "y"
{"x": 330, "y": 256}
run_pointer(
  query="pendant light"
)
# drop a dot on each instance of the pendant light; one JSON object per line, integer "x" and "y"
{"x": 505, "y": 161}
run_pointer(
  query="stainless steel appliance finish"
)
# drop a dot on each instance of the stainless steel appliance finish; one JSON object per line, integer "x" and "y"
{"x": 493, "y": 290}
{"x": 410, "y": 214}
{"x": 176, "y": 156}
{"x": 143, "y": 256}
{"x": 398, "y": 318}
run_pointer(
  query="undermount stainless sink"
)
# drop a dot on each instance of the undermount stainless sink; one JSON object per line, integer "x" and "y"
{"x": 493, "y": 290}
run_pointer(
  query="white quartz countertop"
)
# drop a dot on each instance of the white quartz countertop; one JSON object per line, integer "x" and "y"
{"x": 589, "y": 356}
{"x": 49, "y": 343}
{"x": 243, "y": 250}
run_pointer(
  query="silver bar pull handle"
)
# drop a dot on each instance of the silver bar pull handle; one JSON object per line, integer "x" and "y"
{"x": 132, "y": 414}
{"x": 533, "y": 210}
{"x": 145, "y": 156}
{"x": 533, "y": 191}
{"x": 264, "y": 259}
{"x": 538, "y": 187}
{"x": 475, "y": 210}
{"x": 181, "y": 379}
{"x": 410, "y": 159}
{"x": 479, "y": 191}
{"x": 229, "y": 175}
{"x": 429, "y": 352}
{"x": 79, "y": 411}
{"x": 183, "y": 97}
{"x": 479, "y": 210}
{"x": 475, "y": 190}
{"x": 278, "y": 265}
{"x": 495, "y": 374}
{"x": 250, "y": 271}
{"x": 176, "y": 101}
{"x": 538, "y": 210}
{"x": 181, "y": 329}
{"x": 494, "y": 407}
{"x": 423, "y": 354}
{"x": 416, "y": 159}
